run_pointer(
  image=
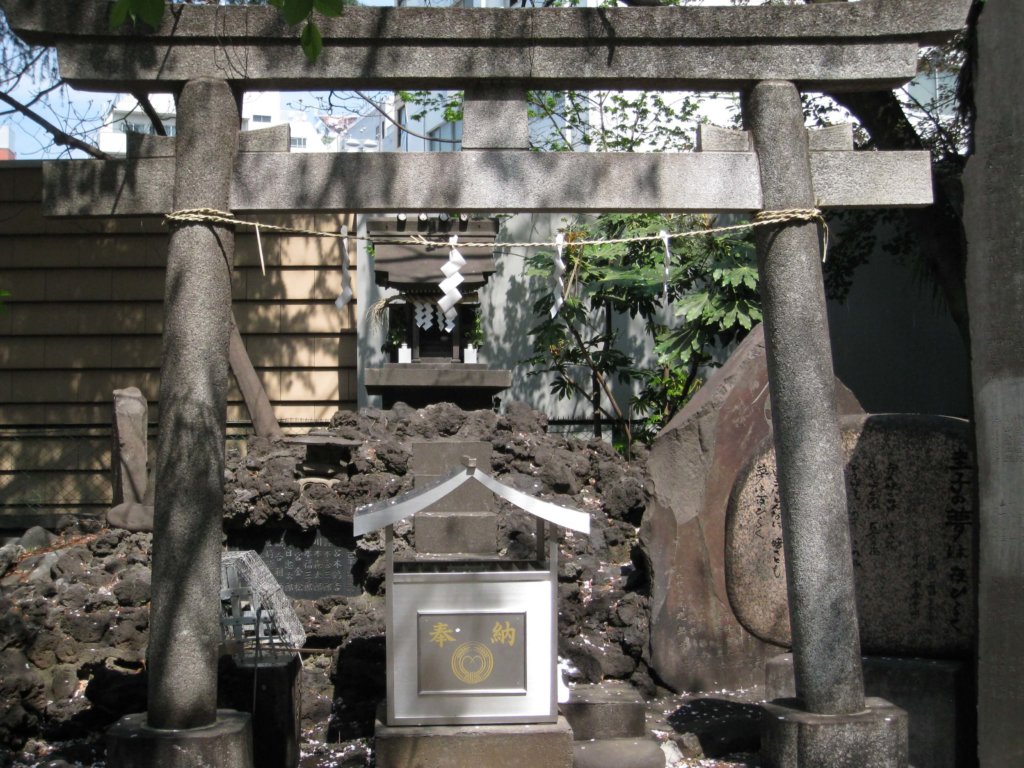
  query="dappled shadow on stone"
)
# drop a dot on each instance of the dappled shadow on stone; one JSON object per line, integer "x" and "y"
{"x": 723, "y": 727}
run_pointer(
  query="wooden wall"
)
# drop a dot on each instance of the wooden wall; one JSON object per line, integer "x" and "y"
{"x": 84, "y": 318}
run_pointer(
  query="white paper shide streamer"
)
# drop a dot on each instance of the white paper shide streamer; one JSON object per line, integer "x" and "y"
{"x": 668, "y": 261}
{"x": 423, "y": 313}
{"x": 346, "y": 279}
{"x": 450, "y": 285}
{"x": 558, "y": 269}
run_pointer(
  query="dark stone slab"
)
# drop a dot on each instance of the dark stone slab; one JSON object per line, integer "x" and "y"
{"x": 275, "y": 707}
{"x": 696, "y": 642}
{"x": 307, "y": 564}
{"x": 912, "y": 524}
{"x": 538, "y": 745}
{"x": 434, "y": 459}
{"x": 456, "y": 532}
{"x": 605, "y": 711}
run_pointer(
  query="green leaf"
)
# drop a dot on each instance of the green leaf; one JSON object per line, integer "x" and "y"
{"x": 691, "y": 307}
{"x": 312, "y": 42}
{"x": 150, "y": 11}
{"x": 329, "y": 7}
{"x": 119, "y": 13}
{"x": 297, "y": 10}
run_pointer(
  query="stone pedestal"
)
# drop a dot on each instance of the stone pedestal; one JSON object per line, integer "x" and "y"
{"x": 935, "y": 693}
{"x": 792, "y": 737}
{"x": 538, "y": 745}
{"x": 131, "y": 743}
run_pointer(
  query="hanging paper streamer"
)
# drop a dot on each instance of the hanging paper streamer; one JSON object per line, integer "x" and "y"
{"x": 423, "y": 313}
{"x": 559, "y": 270}
{"x": 668, "y": 262}
{"x": 346, "y": 279}
{"x": 450, "y": 285}
{"x": 259, "y": 247}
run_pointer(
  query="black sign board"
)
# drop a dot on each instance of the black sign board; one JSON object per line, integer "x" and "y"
{"x": 307, "y": 564}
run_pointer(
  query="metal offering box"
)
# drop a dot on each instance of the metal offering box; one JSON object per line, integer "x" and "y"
{"x": 471, "y": 639}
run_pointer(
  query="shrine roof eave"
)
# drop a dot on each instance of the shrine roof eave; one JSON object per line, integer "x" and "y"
{"x": 834, "y": 46}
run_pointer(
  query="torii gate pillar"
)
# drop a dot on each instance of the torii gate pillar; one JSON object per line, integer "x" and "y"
{"x": 830, "y": 723}
{"x": 182, "y": 725}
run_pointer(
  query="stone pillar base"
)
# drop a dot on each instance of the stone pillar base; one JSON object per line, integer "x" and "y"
{"x": 538, "y": 745}
{"x": 131, "y": 743}
{"x": 794, "y": 738}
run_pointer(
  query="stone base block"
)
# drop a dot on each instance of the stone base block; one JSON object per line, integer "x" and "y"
{"x": 936, "y": 694}
{"x": 131, "y": 743}
{"x": 618, "y": 753}
{"x": 605, "y": 711}
{"x": 444, "y": 533}
{"x": 794, "y": 738}
{"x": 538, "y": 745}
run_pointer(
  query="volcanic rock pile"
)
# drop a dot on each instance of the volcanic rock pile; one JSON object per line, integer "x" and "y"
{"x": 75, "y": 610}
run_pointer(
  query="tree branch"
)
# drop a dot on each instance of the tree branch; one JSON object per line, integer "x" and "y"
{"x": 61, "y": 138}
{"x": 151, "y": 113}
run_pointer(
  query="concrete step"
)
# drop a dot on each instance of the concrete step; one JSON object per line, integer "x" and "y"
{"x": 617, "y": 753}
{"x": 605, "y": 711}
{"x": 538, "y": 745}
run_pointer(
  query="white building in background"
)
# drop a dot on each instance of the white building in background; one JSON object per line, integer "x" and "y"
{"x": 259, "y": 110}
{"x": 7, "y": 143}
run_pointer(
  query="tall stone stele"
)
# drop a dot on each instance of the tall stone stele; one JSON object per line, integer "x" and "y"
{"x": 994, "y": 213}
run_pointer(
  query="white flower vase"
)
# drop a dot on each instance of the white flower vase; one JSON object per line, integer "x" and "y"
{"x": 404, "y": 354}
{"x": 469, "y": 354}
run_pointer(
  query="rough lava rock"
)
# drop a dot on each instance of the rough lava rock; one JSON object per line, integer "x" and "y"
{"x": 74, "y": 614}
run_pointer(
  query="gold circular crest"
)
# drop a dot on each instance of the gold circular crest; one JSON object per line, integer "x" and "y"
{"x": 472, "y": 663}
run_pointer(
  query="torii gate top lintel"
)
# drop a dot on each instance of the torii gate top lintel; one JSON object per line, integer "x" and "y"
{"x": 869, "y": 44}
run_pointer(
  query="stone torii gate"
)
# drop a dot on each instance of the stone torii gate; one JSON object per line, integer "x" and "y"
{"x": 208, "y": 54}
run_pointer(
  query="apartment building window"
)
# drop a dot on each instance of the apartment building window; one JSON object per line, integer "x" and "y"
{"x": 146, "y": 128}
{"x": 298, "y": 142}
{"x": 261, "y": 118}
{"x": 441, "y": 138}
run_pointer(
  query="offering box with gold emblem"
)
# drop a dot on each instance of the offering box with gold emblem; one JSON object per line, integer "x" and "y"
{"x": 471, "y": 639}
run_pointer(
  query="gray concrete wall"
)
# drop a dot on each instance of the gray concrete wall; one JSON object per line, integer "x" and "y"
{"x": 895, "y": 344}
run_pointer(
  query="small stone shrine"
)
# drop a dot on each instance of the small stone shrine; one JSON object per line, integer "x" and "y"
{"x": 471, "y": 635}
{"x": 431, "y": 323}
